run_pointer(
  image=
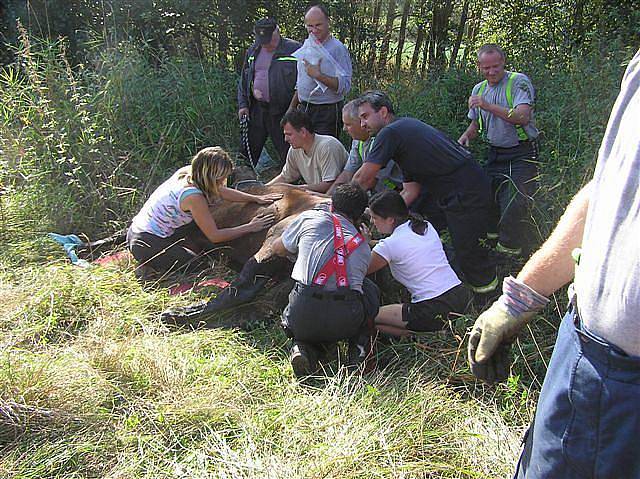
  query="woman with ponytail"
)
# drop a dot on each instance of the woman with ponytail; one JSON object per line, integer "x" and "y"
{"x": 159, "y": 235}
{"x": 415, "y": 256}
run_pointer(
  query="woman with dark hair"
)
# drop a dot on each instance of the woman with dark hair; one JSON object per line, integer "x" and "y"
{"x": 415, "y": 256}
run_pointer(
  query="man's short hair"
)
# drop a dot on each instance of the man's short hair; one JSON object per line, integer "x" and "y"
{"x": 349, "y": 200}
{"x": 319, "y": 6}
{"x": 377, "y": 99}
{"x": 351, "y": 109}
{"x": 298, "y": 119}
{"x": 491, "y": 48}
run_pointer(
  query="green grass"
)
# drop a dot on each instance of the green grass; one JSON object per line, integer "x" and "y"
{"x": 101, "y": 388}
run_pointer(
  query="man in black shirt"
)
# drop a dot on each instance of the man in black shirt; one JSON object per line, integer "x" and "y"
{"x": 433, "y": 162}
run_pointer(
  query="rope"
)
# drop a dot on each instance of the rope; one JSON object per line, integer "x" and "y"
{"x": 244, "y": 133}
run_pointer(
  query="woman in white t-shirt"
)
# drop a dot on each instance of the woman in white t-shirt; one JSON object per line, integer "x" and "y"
{"x": 415, "y": 256}
{"x": 159, "y": 235}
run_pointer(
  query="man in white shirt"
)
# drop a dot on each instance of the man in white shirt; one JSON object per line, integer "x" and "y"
{"x": 314, "y": 159}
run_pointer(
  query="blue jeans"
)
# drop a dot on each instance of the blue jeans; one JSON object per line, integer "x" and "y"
{"x": 588, "y": 417}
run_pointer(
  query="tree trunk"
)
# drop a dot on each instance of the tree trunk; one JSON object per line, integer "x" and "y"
{"x": 402, "y": 35}
{"x": 425, "y": 56}
{"x": 461, "y": 25}
{"x": 420, "y": 37}
{"x": 577, "y": 26}
{"x": 474, "y": 26}
{"x": 388, "y": 30}
{"x": 439, "y": 34}
{"x": 374, "y": 29}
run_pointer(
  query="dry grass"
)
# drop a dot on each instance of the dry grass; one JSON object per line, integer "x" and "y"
{"x": 93, "y": 385}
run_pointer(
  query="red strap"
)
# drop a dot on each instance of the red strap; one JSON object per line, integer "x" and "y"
{"x": 338, "y": 262}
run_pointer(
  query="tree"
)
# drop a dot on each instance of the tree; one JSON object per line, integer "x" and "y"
{"x": 402, "y": 35}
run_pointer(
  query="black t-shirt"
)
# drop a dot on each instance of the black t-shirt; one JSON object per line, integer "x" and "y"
{"x": 424, "y": 153}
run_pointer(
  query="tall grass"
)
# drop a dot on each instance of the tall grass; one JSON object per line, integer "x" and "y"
{"x": 83, "y": 146}
{"x": 99, "y": 388}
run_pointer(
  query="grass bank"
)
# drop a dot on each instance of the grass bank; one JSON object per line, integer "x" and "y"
{"x": 94, "y": 385}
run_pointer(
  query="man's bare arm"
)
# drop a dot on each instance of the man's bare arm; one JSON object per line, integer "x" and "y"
{"x": 520, "y": 115}
{"x": 344, "y": 177}
{"x": 410, "y": 192}
{"x": 366, "y": 175}
{"x": 552, "y": 266}
{"x": 469, "y": 134}
{"x": 277, "y": 179}
{"x": 321, "y": 187}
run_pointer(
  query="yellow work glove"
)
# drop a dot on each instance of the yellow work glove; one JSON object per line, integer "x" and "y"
{"x": 490, "y": 341}
{"x": 496, "y": 328}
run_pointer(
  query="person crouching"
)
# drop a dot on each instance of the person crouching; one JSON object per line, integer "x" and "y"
{"x": 162, "y": 235}
{"x": 415, "y": 256}
{"x": 331, "y": 300}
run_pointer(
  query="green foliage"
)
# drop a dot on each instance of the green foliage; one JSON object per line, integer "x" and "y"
{"x": 83, "y": 146}
{"x": 101, "y": 388}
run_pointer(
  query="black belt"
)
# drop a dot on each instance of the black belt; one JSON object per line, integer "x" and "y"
{"x": 509, "y": 148}
{"x": 318, "y": 292}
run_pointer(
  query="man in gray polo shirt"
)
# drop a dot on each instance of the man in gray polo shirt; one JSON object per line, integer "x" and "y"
{"x": 501, "y": 113}
{"x": 588, "y": 420}
{"x": 324, "y": 107}
{"x": 315, "y": 159}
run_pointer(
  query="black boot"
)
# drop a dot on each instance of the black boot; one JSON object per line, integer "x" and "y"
{"x": 252, "y": 279}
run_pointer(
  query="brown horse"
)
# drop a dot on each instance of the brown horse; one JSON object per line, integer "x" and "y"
{"x": 253, "y": 250}
{"x": 293, "y": 202}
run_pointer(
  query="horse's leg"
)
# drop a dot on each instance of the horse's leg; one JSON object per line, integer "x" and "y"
{"x": 255, "y": 273}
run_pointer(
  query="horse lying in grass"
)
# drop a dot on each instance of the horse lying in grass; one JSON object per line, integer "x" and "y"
{"x": 254, "y": 251}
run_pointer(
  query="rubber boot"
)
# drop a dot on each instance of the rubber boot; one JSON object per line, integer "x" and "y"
{"x": 304, "y": 361}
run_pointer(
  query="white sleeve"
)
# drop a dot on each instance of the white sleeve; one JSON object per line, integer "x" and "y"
{"x": 385, "y": 249}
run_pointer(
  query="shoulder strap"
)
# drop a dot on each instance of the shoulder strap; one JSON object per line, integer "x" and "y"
{"x": 337, "y": 263}
{"x": 522, "y": 135}
{"x": 481, "y": 129}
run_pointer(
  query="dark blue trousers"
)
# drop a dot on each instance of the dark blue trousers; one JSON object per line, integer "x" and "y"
{"x": 588, "y": 417}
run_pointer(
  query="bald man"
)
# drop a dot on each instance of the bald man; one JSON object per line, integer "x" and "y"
{"x": 324, "y": 107}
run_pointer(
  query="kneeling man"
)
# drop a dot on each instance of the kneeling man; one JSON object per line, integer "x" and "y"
{"x": 331, "y": 300}
{"x": 314, "y": 159}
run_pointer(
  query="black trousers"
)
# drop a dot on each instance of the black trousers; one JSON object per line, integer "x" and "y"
{"x": 467, "y": 224}
{"x": 315, "y": 315}
{"x": 466, "y": 208}
{"x": 262, "y": 125}
{"x": 427, "y": 205}
{"x": 326, "y": 119}
{"x": 179, "y": 252}
{"x": 514, "y": 179}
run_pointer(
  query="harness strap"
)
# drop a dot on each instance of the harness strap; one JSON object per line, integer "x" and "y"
{"x": 337, "y": 264}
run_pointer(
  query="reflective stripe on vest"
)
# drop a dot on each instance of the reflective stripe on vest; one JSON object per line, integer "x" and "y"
{"x": 361, "y": 151}
{"x": 287, "y": 59}
{"x": 522, "y": 135}
{"x": 337, "y": 264}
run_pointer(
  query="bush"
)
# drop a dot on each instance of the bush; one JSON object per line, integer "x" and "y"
{"x": 83, "y": 146}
